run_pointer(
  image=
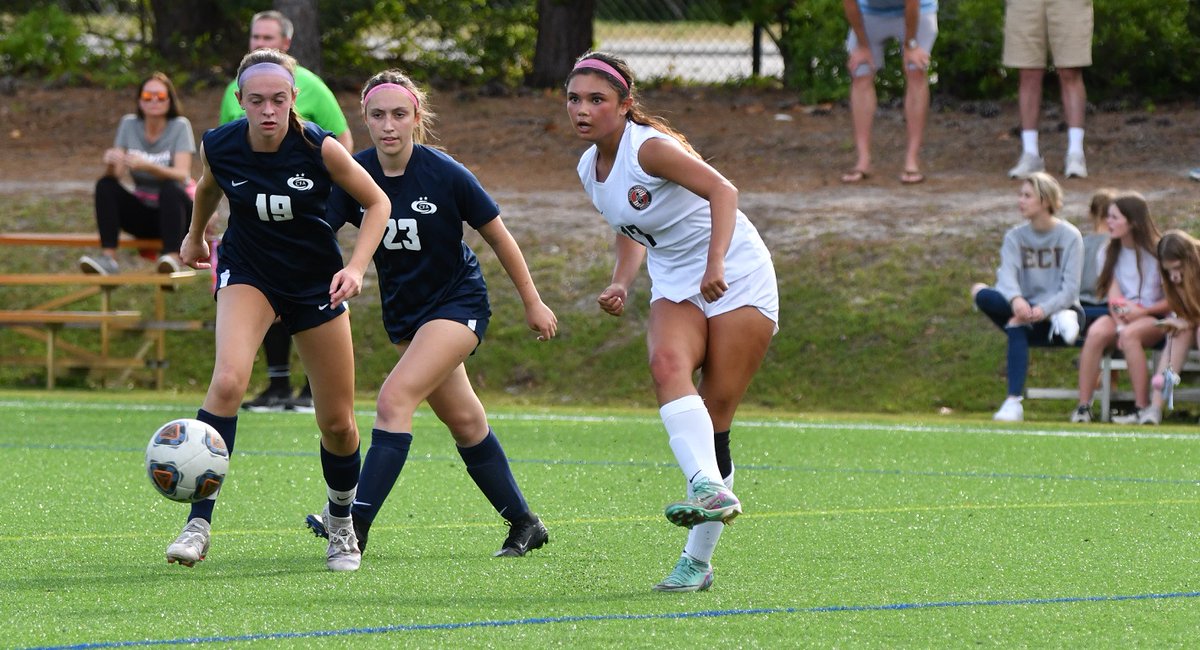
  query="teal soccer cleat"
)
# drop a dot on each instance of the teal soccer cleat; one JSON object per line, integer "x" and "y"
{"x": 688, "y": 575}
{"x": 709, "y": 502}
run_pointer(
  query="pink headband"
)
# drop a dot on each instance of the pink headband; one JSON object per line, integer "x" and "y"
{"x": 597, "y": 64}
{"x": 260, "y": 69}
{"x": 391, "y": 86}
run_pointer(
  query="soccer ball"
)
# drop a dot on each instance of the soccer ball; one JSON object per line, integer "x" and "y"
{"x": 186, "y": 460}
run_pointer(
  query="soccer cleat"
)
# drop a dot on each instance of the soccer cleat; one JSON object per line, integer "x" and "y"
{"x": 343, "y": 553}
{"x": 317, "y": 526}
{"x": 168, "y": 264}
{"x": 302, "y": 402}
{"x": 192, "y": 544}
{"x": 98, "y": 265}
{"x": 688, "y": 575}
{"x": 1147, "y": 415}
{"x": 710, "y": 501}
{"x": 1010, "y": 411}
{"x": 1082, "y": 414}
{"x": 1028, "y": 164}
{"x": 271, "y": 399}
{"x": 1076, "y": 166}
{"x": 523, "y": 536}
{"x": 1065, "y": 324}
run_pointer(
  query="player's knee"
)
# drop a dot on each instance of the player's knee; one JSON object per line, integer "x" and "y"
{"x": 666, "y": 367}
{"x": 227, "y": 387}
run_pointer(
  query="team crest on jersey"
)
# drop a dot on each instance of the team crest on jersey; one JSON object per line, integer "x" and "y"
{"x": 299, "y": 182}
{"x": 639, "y": 197}
{"x": 423, "y": 206}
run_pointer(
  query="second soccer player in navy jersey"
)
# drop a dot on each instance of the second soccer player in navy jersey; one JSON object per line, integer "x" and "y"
{"x": 435, "y": 306}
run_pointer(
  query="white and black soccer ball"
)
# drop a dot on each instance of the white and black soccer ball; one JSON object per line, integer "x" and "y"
{"x": 186, "y": 460}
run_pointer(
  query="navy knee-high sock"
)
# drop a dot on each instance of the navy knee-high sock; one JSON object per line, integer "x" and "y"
{"x": 385, "y": 459}
{"x": 1018, "y": 358}
{"x": 341, "y": 477}
{"x": 488, "y": 467}
{"x": 724, "y": 459}
{"x": 227, "y": 427}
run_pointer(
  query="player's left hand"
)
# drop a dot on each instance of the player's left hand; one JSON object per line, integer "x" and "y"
{"x": 713, "y": 285}
{"x": 542, "y": 320}
{"x": 346, "y": 284}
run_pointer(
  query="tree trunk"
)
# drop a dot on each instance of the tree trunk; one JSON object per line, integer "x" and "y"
{"x": 306, "y": 40}
{"x": 178, "y": 26}
{"x": 564, "y": 31}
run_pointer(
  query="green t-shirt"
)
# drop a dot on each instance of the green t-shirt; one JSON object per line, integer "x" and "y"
{"x": 315, "y": 103}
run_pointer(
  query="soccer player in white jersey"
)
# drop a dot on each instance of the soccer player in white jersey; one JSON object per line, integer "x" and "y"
{"x": 714, "y": 304}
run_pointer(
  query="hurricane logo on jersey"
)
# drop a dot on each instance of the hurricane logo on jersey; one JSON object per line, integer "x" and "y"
{"x": 299, "y": 182}
{"x": 423, "y": 206}
{"x": 639, "y": 197}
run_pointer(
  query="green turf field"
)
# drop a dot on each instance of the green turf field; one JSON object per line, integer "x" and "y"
{"x": 857, "y": 532}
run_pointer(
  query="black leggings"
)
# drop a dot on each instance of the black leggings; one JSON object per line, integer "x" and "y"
{"x": 117, "y": 209}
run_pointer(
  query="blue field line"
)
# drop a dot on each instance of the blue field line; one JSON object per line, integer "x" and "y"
{"x": 672, "y": 465}
{"x": 587, "y": 618}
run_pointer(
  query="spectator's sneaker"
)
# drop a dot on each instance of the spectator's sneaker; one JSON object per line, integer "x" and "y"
{"x": 709, "y": 502}
{"x": 168, "y": 264}
{"x": 1082, "y": 414}
{"x": 1076, "y": 166}
{"x": 317, "y": 526}
{"x": 271, "y": 399}
{"x": 192, "y": 544}
{"x": 1065, "y": 324}
{"x": 98, "y": 265}
{"x": 1028, "y": 164}
{"x": 1147, "y": 415}
{"x": 342, "y": 553}
{"x": 1010, "y": 411}
{"x": 523, "y": 537}
{"x": 1194, "y": 173}
{"x": 688, "y": 575}
{"x": 302, "y": 402}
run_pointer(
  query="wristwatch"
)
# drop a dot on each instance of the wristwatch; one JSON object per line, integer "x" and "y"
{"x": 912, "y": 44}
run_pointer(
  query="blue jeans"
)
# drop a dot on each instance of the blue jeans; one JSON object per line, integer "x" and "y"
{"x": 1020, "y": 337}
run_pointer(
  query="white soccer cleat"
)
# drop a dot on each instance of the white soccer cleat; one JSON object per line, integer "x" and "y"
{"x": 192, "y": 544}
{"x": 1010, "y": 411}
{"x": 343, "y": 553}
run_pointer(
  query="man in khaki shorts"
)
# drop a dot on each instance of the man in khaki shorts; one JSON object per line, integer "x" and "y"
{"x": 1065, "y": 28}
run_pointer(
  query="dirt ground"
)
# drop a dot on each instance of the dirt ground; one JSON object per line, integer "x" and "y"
{"x": 786, "y": 158}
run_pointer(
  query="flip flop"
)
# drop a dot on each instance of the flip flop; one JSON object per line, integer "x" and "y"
{"x": 855, "y": 176}
{"x": 912, "y": 177}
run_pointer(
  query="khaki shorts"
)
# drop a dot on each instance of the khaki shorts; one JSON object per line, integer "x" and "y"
{"x": 1032, "y": 25}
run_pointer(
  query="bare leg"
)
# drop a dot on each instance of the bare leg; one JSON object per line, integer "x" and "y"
{"x": 1029, "y": 99}
{"x": 1074, "y": 96}
{"x": 863, "y": 104}
{"x": 916, "y": 110}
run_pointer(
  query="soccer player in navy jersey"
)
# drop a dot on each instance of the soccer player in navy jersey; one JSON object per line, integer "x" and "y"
{"x": 279, "y": 257}
{"x": 435, "y": 305}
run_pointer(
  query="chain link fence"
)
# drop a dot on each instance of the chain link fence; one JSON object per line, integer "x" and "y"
{"x": 684, "y": 40}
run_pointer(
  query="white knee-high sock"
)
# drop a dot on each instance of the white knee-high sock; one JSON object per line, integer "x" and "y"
{"x": 702, "y": 539}
{"x": 690, "y": 432}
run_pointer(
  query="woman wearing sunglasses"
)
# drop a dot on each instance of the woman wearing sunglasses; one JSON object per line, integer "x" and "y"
{"x": 153, "y": 148}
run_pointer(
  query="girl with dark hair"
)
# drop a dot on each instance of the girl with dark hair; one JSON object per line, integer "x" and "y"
{"x": 155, "y": 147}
{"x": 714, "y": 303}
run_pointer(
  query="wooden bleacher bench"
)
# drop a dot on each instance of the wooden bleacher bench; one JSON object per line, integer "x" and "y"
{"x": 1110, "y": 362}
{"x": 43, "y": 321}
{"x": 80, "y": 240}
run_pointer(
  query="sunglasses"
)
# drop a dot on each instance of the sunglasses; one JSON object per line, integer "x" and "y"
{"x": 154, "y": 96}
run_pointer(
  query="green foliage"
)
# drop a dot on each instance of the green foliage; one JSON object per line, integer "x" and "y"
{"x": 46, "y": 42}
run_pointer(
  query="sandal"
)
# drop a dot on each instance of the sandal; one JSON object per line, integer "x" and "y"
{"x": 912, "y": 177}
{"x": 855, "y": 176}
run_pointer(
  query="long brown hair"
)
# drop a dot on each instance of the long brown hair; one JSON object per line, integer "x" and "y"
{"x": 1145, "y": 237}
{"x": 269, "y": 55}
{"x": 1184, "y": 298}
{"x": 174, "y": 106}
{"x": 637, "y": 113}
{"x": 423, "y": 130}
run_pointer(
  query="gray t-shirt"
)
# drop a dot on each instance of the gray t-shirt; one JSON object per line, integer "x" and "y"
{"x": 1042, "y": 267}
{"x": 176, "y": 138}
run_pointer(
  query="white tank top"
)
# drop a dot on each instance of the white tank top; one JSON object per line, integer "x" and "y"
{"x": 673, "y": 224}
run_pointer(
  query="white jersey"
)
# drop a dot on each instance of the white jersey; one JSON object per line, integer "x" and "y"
{"x": 673, "y": 224}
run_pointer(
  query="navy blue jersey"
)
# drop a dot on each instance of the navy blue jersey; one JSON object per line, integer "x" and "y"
{"x": 277, "y": 231}
{"x": 423, "y": 262}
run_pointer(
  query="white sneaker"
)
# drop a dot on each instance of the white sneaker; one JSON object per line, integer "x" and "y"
{"x": 1082, "y": 414}
{"x": 168, "y": 264}
{"x": 98, "y": 265}
{"x": 1076, "y": 167}
{"x": 1010, "y": 411}
{"x": 1148, "y": 415}
{"x": 1194, "y": 173}
{"x": 1065, "y": 324}
{"x": 1028, "y": 164}
{"x": 192, "y": 544}
{"x": 343, "y": 553}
